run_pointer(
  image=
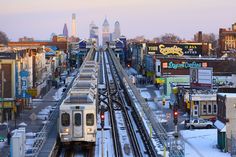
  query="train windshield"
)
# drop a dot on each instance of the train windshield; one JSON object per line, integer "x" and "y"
{"x": 78, "y": 119}
{"x": 89, "y": 119}
{"x": 65, "y": 119}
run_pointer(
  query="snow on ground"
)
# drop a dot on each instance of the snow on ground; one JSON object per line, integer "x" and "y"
{"x": 152, "y": 105}
{"x": 123, "y": 135}
{"x": 2, "y": 144}
{"x": 158, "y": 94}
{"x": 145, "y": 94}
{"x": 58, "y": 94}
{"x": 201, "y": 142}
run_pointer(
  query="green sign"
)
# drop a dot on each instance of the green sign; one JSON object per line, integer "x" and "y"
{"x": 1, "y": 99}
{"x": 185, "y": 65}
{"x": 2, "y": 139}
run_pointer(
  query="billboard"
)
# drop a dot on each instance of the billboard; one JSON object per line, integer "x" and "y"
{"x": 179, "y": 49}
{"x": 201, "y": 78}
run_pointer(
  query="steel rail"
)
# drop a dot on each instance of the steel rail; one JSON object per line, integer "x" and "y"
{"x": 132, "y": 135}
{"x": 116, "y": 142}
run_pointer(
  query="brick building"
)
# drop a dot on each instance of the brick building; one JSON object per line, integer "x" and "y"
{"x": 227, "y": 40}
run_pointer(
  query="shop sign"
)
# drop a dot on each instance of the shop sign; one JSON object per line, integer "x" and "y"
{"x": 32, "y": 92}
{"x": 7, "y": 55}
{"x": 189, "y": 49}
{"x": 201, "y": 78}
{"x": 183, "y": 65}
{"x": 160, "y": 80}
{"x": 2, "y": 138}
{"x": 174, "y": 50}
{"x": 7, "y": 105}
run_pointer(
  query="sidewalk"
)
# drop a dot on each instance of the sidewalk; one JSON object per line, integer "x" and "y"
{"x": 32, "y": 125}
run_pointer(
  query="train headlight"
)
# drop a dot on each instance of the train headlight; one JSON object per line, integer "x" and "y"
{"x": 66, "y": 130}
{"x": 89, "y": 129}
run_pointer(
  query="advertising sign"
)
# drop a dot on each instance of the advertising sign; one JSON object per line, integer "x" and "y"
{"x": 201, "y": 78}
{"x": 4, "y": 55}
{"x": 189, "y": 49}
{"x": 181, "y": 65}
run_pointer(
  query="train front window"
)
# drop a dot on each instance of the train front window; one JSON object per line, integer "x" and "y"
{"x": 78, "y": 119}
{"x": 65, "y": 119}
{"x": 89, "y": 119}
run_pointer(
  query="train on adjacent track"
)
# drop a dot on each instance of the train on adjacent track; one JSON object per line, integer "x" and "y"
{"x": 78, "y": 111}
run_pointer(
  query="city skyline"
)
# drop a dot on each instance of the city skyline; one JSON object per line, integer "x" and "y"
{"x": 149, "y": 18}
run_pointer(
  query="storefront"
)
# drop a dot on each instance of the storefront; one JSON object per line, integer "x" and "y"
{"x": 7, "y": 85}
{"x": 203, "y": 104}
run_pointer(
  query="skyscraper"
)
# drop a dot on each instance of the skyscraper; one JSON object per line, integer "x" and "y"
{"x": 105, "y": 32}
{"x": 116, "y": 33}
{"x": 65, "y": 31}
{"x": 93, "y": 33}
{"x": 73, "y": 32}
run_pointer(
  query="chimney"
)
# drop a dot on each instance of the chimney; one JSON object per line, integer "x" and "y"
{"x": 199, "y": 38}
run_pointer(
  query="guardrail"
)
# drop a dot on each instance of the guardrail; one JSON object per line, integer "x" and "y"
{"x": 43, "y": 134}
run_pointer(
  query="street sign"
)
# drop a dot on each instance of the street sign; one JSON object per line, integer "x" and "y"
{"x": 24, "y": 73}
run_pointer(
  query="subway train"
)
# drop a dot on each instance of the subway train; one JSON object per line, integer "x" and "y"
{"x": 78, "y": 111}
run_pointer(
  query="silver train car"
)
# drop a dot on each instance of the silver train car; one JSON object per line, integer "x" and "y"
{"x": 78, "y": 111}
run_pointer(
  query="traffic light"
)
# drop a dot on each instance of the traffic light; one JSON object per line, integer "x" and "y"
{"x": 175, "y": 115}
{"x": 163, "y": 102}
{"x": 102, "y": 116}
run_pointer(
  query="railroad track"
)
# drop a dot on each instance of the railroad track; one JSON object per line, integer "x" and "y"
{"x": 77, "y": 151}
{"x": 117, "y": 98}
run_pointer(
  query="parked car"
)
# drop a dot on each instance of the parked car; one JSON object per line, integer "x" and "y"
{"x": 198, "y": 123}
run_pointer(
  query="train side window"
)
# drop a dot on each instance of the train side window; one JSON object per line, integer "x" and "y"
{"x": 65, "y": 119}
{"x": 78, "y": 119}
{"x": 89, "y": 119}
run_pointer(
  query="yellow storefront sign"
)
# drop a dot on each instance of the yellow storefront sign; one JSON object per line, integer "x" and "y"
{"x": 160, "y": 80}
{"x": 32, "y": 92}
{"x": 7, "y": 104}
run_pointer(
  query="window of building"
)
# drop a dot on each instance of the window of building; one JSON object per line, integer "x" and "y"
{"x": 214, "y": 108}
{"x": 65, "y": 119}
{"x": 204, "y": 108}
{"x": 77, "y": 117}
{"x": 159, "y": 68}
{"x": 209, "y": 108}
{"x": 89, "y": 119}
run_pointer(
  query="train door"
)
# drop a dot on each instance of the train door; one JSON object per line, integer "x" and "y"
{"x": 78, "y": 124}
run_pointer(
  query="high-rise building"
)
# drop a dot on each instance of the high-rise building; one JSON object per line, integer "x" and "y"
{"x": 105, "y": 32}
{"x": 116, "y": 33}
{"x": 73, "y": 32}
{"x": 65, "y": 31}
{"x": 93, "y": 33}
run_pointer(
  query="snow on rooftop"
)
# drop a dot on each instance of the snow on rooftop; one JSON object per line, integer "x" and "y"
{"x": 201, "y": 142}
{"x": 131, "y": 71}
{"x": 227, "y": 94}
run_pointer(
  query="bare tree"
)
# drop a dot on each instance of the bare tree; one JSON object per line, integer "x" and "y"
{"x": 3, "y": 38}
{"x": 210, "y": 38}
{"x": 157, "y": 39}
{"x": 170, "y": 38}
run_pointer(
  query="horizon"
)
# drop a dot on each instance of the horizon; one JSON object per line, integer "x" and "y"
{"x": 183, "y": 18}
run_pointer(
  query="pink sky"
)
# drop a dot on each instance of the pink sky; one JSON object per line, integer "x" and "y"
{"x": 150, "y": 18}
